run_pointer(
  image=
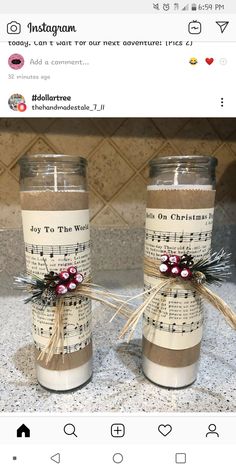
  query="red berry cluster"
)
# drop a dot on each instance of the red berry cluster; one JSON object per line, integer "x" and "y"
{"x": 177, "y": 266}
{"x": 67, "y": 280}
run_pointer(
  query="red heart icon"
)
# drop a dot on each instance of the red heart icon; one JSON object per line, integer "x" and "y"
{"x": 209, "y": 60}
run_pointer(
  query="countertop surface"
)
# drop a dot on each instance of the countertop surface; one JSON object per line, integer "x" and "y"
{"x": 118, "y": 384}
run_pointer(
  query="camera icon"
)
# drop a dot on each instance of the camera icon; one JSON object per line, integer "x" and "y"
{"x": 13, "y": 27}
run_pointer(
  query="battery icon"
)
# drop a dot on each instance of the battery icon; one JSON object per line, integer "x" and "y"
{"x": 194, "y": 7}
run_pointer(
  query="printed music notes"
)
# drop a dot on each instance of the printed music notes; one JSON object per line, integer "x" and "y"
{"x": 52, "y": 251}
{"x": 173, "y": 327}
{"x": 68, "y": 302}
{"x": 175, "y": 293}
{"x": 67, "y": 349}
{"x": 169, "y": 236}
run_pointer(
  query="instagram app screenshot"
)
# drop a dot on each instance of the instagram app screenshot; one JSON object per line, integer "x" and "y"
{"x": 117, "y": 235}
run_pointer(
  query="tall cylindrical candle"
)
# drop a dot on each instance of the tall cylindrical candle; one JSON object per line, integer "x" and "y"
{"x": 55, "y": 215}
{"x": 179, "y": 218}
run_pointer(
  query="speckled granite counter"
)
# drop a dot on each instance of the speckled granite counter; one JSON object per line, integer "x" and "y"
{"x": 117, "y": 384}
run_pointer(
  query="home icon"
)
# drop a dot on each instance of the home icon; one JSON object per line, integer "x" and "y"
{"x": 23, "y": 431}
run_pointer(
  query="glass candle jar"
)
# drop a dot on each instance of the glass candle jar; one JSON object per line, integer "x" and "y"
{"x": 179, "y": 218}
{"x": 55, "y": 216}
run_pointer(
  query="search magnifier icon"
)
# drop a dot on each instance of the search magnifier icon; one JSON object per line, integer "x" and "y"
{"x": 69, "y": 429}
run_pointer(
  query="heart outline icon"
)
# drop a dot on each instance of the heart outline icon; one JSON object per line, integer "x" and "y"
{"x": 209, "y": 60}
{"x": 165, "y": 429}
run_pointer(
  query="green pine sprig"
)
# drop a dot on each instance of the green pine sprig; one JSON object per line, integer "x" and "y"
{"x": 216, "y": 267}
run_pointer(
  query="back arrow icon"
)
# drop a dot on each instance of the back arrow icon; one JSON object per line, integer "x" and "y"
{"x": 56, "y": 458}
{"x": 223, "y": 25}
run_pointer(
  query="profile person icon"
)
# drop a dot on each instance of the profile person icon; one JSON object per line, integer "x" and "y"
{"x": 212, "y": 430}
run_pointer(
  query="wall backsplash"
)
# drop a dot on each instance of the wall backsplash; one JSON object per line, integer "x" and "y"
{"x": 118, "y": 151}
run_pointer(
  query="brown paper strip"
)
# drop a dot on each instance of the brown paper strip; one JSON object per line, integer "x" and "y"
{"x": 170, "y": 357}
{"x": 69, "y": 361}
{"x": 54, "y": 201}
{"x": 178, "y": 199}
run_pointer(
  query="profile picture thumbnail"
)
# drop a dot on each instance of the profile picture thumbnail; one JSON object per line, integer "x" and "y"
{"x": 16, "y": 61}
{"x": 16, "y": 102}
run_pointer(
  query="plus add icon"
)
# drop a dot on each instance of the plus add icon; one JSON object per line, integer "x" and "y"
{"x": 117, "y": 430}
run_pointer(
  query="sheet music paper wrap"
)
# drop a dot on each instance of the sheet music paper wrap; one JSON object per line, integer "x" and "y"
{"x": 56, "y": 230}
{"x": 178, "y": 221}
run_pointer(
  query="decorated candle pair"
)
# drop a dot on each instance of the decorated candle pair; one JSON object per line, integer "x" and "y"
{"x": 179, "y": 218}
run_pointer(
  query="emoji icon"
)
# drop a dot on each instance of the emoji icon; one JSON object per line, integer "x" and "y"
{"x": 193, "y": 61}
{"x": 223, "y": 61}
{"x": 16, "y": 61}
{"x": 209, "y": 60}
{"x": 16, "y": 102}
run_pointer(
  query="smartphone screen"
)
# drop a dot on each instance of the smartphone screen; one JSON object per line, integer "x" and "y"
{"x": 117, "y": 235}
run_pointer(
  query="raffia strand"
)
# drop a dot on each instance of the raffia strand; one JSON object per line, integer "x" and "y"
{"x": 218, "y": 303}
{"x": 85, "y": 290}
{"x": 151, "y": 269}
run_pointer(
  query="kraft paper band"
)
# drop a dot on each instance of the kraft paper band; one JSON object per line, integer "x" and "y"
{"x": 69, "y": 361}
{"x": 170, "y": 357}
{"x": 54, "y": 201}
{"x": 178, "y": 199}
